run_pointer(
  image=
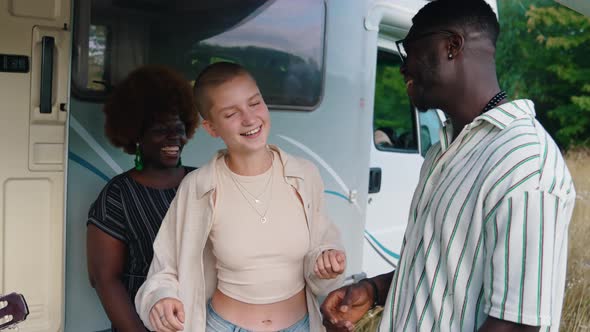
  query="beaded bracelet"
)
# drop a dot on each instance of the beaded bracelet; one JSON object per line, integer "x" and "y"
{"x": 375, "y": 292}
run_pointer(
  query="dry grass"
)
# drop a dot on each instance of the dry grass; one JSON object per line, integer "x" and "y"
{"x": 576, "y": 310}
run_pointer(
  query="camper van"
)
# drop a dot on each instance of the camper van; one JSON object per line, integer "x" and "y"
{"x": 329, "y": 72}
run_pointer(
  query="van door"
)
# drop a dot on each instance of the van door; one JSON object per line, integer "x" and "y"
{"x": 34, "y": 74}
{"x": 401, "y": 137}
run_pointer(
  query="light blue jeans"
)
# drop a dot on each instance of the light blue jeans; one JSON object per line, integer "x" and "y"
{"x": 216, "y": 323}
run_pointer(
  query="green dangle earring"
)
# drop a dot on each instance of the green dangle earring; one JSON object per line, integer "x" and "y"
{"x": 138, "y": 160}
{"x": 179, "y": 163}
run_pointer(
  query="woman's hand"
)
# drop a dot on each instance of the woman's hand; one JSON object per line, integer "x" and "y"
{"x": 167, "y": 315}
{"x": 330, "y": 264}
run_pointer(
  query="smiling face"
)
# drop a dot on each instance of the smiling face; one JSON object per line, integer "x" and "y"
{"x": 162, "y": 142}
{"x": 238, "y": 114}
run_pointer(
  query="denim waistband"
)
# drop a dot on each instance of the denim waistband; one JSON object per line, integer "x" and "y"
{"x": 216, "y": 323}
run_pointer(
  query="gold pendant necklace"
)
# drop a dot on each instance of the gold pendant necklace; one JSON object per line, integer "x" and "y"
{"x": 243, "y": 191}
{"x": 256, "y": 198}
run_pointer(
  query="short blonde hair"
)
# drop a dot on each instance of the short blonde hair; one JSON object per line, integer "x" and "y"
{"x": 212, "y": 76}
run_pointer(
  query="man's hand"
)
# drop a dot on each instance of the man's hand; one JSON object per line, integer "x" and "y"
{"x": 345, "y": 306}
{"x": 167, "y": 315}
{"x": 330, "y": 264}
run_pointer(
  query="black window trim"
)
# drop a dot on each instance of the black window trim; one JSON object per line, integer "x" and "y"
{"x": 400, "y": 150}
{"x": 415, "y": 120}
{"x": 85, "y": 94}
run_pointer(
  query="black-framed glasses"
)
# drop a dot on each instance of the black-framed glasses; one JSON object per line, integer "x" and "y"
{"x": 402, "y": 43}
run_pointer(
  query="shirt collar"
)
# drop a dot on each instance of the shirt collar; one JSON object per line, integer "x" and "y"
{"x": 500, "y": 117}
{"x": 503, "y": 115}
{"x": 446, "y": 134}
{"x": 291, "y": 166}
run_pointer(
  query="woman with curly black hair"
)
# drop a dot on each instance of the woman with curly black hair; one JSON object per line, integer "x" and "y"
{"x": 151, "y": 114}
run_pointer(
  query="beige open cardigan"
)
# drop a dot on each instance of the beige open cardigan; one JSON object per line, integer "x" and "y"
{"x": 183, "y": 266}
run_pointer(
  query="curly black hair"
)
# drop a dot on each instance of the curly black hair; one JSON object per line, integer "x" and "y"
{"x": 142, "y": 98}
{"x": 465, "y": 14}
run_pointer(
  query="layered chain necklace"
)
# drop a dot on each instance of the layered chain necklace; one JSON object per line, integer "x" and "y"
{"x": 257, "y": 198}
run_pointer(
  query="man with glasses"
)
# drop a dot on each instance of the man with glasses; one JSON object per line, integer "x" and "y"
{"x": 486, "y": 242}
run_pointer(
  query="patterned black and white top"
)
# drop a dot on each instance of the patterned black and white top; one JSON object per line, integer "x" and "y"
{"x": 132, "y": 213}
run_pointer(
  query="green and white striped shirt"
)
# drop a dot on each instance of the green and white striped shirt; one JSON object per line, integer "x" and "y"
{"x": 487, "y": 231}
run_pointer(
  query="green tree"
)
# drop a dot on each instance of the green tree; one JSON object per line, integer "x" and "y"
{"x": 543, "y": 54}
{"x": 565, "y": 36}
{"x": 392, "y": 105}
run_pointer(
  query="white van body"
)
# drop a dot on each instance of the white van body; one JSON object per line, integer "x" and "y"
{"x": 581, "y": 6}
{"x": 57, "y": 158}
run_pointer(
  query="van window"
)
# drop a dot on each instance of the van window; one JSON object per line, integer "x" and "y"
{"x": 281, "y": 42}
{"x": 430, "y": 125}
{"x": 97, "y": 57}
{"x": 394, "y": 120}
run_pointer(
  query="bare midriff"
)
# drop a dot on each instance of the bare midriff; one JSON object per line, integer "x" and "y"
{"x": 261, "y": 317}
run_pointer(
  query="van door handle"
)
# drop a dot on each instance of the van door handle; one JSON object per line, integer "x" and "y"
{"x": 46, "y": 93}
{"x": 374, "y": 180}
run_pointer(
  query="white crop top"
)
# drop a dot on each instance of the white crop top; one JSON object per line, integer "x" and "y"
{"x": 259, "y": 235}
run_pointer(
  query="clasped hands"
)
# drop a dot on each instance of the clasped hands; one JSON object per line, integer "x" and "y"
{"x": 346, "y": 306}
